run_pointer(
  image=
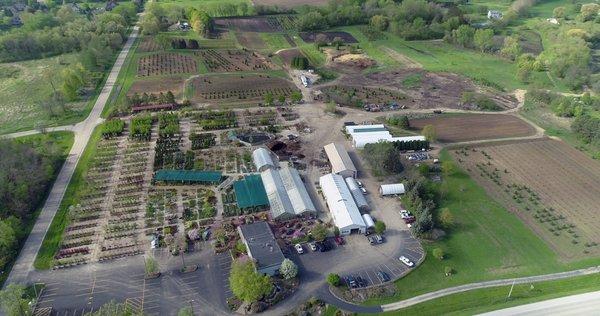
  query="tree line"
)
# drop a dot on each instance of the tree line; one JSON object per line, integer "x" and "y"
{"x": 410, "y": 19}
{"x": 26, "y": 172}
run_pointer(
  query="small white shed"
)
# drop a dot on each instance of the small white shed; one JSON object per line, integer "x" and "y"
{"x": 391, "y": 189}
{"x": 368, "y": 220}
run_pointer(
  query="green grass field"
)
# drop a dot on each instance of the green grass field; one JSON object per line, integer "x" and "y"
{"x": 64, "y": 141}
{"x": 53, "y": 237}
{"x": 25, "y": 86}
{"x": 486, "y": 242}
{"x": 485, "y": 300}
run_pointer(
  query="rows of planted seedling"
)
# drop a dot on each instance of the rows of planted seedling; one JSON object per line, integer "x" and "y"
{"x": 166, "y": 64}
{"x": 82, "y": 233}
{"x": 230, "y": 60}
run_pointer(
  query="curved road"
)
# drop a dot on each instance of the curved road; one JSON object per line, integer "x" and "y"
{"x": 83, "y": 131}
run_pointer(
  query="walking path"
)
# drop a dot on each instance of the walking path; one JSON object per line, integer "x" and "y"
{"x": 83, "y": 132}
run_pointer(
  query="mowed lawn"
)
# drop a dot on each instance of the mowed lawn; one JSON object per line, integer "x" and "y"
{"x": 487, "y": 242}
{"x": 484, "y": 300}
{"x": 25, "y": 86}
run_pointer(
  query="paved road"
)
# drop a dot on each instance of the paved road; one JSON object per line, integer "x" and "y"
{"x": 83, "y": 131}
{"x": 35, "y": 131}
{"x": 581, "y": 304}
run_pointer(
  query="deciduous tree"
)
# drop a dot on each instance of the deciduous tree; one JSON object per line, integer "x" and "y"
{"x": 246, "y": 284}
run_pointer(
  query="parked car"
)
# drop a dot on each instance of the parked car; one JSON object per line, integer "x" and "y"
{"x": 410, "y": 220}
{"x": 361, "y": 282}
{"x": 339, "y": 240}
{"x": 382, "y": 276}
{"x": 363, "y": 190}
{"x": 323, "y": 246}
{"x": 406, "y": 261}
{"x": 312, "y": 246}
{"x": 359, "y": 183}
{"x": 378, "y": 238}
{"x": 299, "y": 248}
{"x": 351, "y": 282}
{"x": 371, "y": 240}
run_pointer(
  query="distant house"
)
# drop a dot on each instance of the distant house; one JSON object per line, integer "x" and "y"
{"x": 494, "y": 15}
{"x": 262, "y": 247}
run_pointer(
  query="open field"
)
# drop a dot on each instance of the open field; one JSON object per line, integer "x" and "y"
{"x": 156, "y": 86}
{"x": 234, "y": 60}
{"x": 250, "y": 40}
{"x": 236, "y": 88}
{"x": 552, "y": 187}
{"x": 468, "y": 127}
{"x": 25, "y": 88}
{"x": 166, "y": 64}
{"x": 486, "y": 242}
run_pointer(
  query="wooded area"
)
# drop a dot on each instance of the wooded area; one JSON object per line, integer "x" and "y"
{"x": 27, "y": 169}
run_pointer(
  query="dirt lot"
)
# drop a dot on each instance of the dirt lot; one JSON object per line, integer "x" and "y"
{"x": 230, "y": 60}
{"x": 245, "y": 88}
{"x": 424, "y": 90}
{"x": 166, "y": 64}
{"x": 551, "y": 186}
{"x": 156, "y": 86}
{"x": 310, "y": 37}
{"x": 277, "y": 23}
{"x": 289, "y": 3}
{"x": 469, "y": 127}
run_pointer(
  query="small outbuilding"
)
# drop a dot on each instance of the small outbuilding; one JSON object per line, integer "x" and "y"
{"x": 262, "y": 159}
{"x": 391, "y": 189}
{"x": 368, "y": 221}
{"x": 340, "y": 160}
{"x": 262, "y": 247}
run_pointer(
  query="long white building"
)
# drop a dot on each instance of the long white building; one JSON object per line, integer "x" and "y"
{"x": 370, "y": 134}
{"x": 344, "y": 210}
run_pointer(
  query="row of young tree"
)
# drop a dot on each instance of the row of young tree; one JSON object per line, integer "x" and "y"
{"x": 26, "y": 171}
{"x": 411, "y": 19}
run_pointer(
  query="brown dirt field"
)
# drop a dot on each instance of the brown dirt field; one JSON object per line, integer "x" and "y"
{"x": 156, "y": 86}
{"x": 250, "y": 40}
{"x": 470, "y": 127}
{"x": 148, "y": 45}
{"x": 552, "y": 187}
{"x": 239, "y": 89}
{"x": 310, "y": 37}
{"x": 431, "y": 90}
{"x": 288, "y": 4}
{"x": 166, "y": 64}
{"x": 229, "y": 60}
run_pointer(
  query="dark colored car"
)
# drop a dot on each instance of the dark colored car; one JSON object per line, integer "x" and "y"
{"x": 361, "y": 282}
{"x": 351, "y": 282}
{"x": 382, "y": 276}
{"x": 323, "y": 246}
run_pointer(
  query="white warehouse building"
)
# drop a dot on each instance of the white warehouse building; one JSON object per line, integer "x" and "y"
{"x": 340, "y": 160}
{"x": 286, "y": 193}
{"x": 262, "y": 159}
{"x": 370, "y": 134}
{"x": 344, "y": 210}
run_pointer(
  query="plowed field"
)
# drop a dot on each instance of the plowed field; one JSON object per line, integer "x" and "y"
{"x": 470, "y": 127}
